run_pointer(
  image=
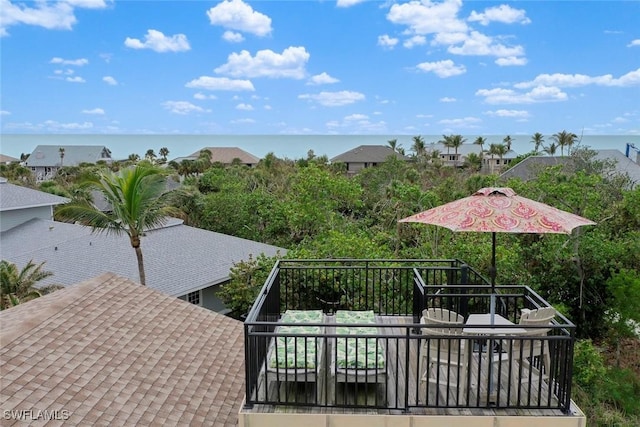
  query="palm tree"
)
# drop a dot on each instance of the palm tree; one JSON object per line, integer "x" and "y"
{"x": 164, "y": 152}
{"x": 150, "y": 155}
{"x": 393, "y": 144}
{"x": 139, "y": 200}
{"x": 473, "y": 162}
{"x": 497, "y": 150}
{"x": 538, "y": 140}
{"x": 564, "y": 139}
{"x": 480, "y": 141}
{"x": 507, "y": 141}
{"x": 418, "y": 146}
{"x": 61, "y": 151}
{"x": 18, "y": 286}
{"x": 551, "y": 149}
{"x": 133, "y": 157}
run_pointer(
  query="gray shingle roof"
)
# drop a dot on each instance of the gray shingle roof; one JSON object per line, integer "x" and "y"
{"x": 531, "y": 166}
{"x": 368, "y": 154}
{"x": 7, "y": 159}
{"x": 178, "y": 259}
{"x": 49, "y": 155}
{"x": 112, "y": 352}
{"x": 17, "y": 197}
{"x": 226, "y": 155}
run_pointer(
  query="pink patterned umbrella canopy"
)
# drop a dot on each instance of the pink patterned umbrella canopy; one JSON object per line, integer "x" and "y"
{"x": 499, "y": 210}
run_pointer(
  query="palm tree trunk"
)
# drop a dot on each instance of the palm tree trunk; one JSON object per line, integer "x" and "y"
{"x": 143, "y": 279}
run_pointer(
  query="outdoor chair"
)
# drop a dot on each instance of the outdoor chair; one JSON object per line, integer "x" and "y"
{"x": 529, "y": 352}
{"x": 444, "y": 357}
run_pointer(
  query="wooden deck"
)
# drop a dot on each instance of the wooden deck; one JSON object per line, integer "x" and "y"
{"x": 349, "y": 398}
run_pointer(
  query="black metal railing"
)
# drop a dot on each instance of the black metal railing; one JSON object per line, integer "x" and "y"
{"x": 399, "y": 363}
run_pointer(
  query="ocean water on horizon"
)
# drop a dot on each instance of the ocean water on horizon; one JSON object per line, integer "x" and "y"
{"x": 283, "y": 146}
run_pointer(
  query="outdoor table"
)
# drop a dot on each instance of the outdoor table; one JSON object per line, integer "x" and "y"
{"x": 477, "y": 325}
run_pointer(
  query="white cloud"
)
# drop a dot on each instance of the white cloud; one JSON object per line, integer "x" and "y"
{"x": 348, "y": 3}
{"x": 632, "y": 78}
{"x": 518, "y": 114}
{"x": 233, "y": 37}
{"x": 442, "y": 21}
{"x": 442, "y": 69}
{"x": 267, "y": 63}
{"x": 509, "y": 96}
{"x": 5, "y": 113}
{"x": 466, "y": 122}
{"x": 427, "y": 17}
{"x": 239, "y": 16}
{"x": 183, "y": 107}
{"x": 49, "y": 15}
{"x": 96, "y": 111}
{"x": 511, "y": 60}
{"x": 76, "y": 62}
{"x": 353, "y": 117}
{"x": 67, "y": 72}
{"x": 334, "y": 99}
{"x": 387, "y": 42}
{"x": 220, "y": 83}
{"x": 110, "y": 80}
{"x": 243, "y": 121}
{"x": 479, "y": 44}
{"x": 322, "y": 79}
{"x": 356, "y": 124}
{"x": 635, "y": 42}
{"x": 448, "y": 99}
{"x": 76, "y": 79}
{"x": 244, "y": 107}
{"x": 414, "y": 41}
{"x": 54, "y": 125}
{"x": 502, "y": 13}
{"x": 202, "y": 96}
{"x": 158, "y": 42}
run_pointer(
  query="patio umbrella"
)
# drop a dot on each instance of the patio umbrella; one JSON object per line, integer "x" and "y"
{"x": 499, "y": 210}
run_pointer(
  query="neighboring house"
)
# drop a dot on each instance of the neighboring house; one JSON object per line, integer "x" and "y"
{"x": 495, "y": 164}
{"x": 225, "y": 155}
{"x": 20, "y": 204}
{"x": 8, "y": 159}
{"x": 530, "y": 167}
{"x": 45, "y": 160}
{"x": 111, "y": 352}
{"x": 180, "y": 261}
{"x": 366, "y": 156}
{"x": 449, "y": 157}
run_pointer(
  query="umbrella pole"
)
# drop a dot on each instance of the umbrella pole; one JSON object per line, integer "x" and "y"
{"x": 492, "y": 269}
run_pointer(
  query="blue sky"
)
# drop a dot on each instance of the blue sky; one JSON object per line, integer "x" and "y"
{"x": 320, "y": 67}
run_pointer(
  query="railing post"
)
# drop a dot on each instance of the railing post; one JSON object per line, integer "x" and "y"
{"x": 406, "y": 371}
{"x": 249, "y": 379}
{"x": 464, "y": 280}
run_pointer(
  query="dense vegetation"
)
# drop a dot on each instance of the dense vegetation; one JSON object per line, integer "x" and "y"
{"x": 311, "y": 208}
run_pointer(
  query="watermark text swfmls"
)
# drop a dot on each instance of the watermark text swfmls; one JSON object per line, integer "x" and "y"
{"x": 36, "y": 414}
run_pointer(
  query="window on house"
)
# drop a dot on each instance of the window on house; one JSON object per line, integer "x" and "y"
{"x": 194, "y": 298}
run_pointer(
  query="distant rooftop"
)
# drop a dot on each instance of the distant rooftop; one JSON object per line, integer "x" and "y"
{"x": 17, "y": 197}
{"x": 49, "y": 155}
{"x": 368, "y": 154}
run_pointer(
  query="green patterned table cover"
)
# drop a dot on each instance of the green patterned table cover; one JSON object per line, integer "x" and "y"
{"x": 290, "y": 351}
{"x": 358, "y": 353}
